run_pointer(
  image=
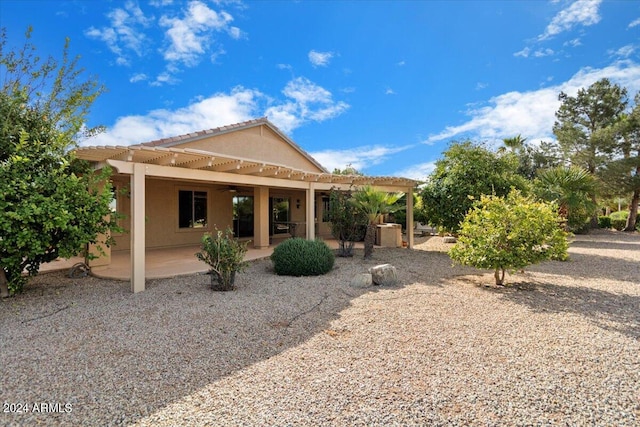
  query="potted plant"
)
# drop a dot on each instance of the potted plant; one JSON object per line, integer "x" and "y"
{"x": 225, "y": 255}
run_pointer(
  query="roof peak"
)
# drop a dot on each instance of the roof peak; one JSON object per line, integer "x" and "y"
{"x": 172, "y": 140}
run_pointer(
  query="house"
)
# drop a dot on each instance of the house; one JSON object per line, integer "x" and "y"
{"x": 249, "y": 176}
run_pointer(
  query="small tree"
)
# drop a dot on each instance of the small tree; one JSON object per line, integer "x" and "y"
{"x": 373, "y": 203}
{"x": 348, "y": 223}
{"x": 509, "y": 233}
{"x": 466, "y": 172}
{"x": 225, "y": 256}
{"x": 570, "y": 188}
{"x": 51, "y": 205}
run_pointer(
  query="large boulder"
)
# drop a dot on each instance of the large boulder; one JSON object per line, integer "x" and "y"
{"x": 384, "y": 275}
{"x": 363, "y": 280}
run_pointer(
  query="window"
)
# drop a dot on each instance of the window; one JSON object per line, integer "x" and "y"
{"x": 192, "y": 209}
{"x": 279, "y": 215}
{"x": 243, "y": 216}
{"x": 326, "y": 206}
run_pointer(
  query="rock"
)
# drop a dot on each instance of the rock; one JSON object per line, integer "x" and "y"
{"x": 384, "y": 275}
{"x": 362, "y": 280}
{"x": 449, "y": 239}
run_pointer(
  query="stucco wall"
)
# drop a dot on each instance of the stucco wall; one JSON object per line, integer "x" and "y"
{"x": 161, "y": 208}
{"x": 161, "y": 212}
{"x": 257, "y": 143}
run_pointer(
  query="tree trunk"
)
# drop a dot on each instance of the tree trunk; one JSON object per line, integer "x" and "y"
{"x": 499, "y": 275}
{"x": 633, "y": 211}
{"x": 4, "y": 285}
{"x": 369, "y": 240}
{"x": 594, "y": 217}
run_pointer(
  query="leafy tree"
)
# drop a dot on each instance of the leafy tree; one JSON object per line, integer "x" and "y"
{"x": 584, "y": 126}
{"x": 622, "y": 175}
{"x": 374, "y": 203}
{"x": 570, "y": 188}
{"x": 509, "y": 233}
{"x": 515, "y": 143}
{"x": 50, "y": 204}
{"x": 348, "y": 170}
{"x": 348, "y": 223}
{"x": 466, "y": 172}
{"x": 400, "y": 214}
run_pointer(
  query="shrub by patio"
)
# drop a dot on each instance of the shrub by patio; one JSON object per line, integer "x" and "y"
{"x": 300, "y": 257}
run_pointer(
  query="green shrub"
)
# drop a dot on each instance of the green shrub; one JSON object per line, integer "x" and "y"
{"x": 619, "y": 219}
{"x": 225, "y": 256}
{"x": 619, "y": 224}
{"x": 604, "y": 222}
{"x": 300, "y": 257}
{"x": 623, "y": 215}
{"x": 508, "y": 234}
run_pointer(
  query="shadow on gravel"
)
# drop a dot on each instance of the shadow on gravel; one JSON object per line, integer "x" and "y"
{"x": 117, "y": 357}
{"x": 593, "y": 267}
{"x": 610, "y": 311}
{"x": 594, "y": 244}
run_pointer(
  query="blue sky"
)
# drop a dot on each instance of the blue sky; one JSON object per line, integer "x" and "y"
{"x": 384, "y": 86}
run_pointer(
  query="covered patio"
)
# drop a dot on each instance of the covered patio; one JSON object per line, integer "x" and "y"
{"x": 170, "y": 192}
{"x": 162, "y": 263}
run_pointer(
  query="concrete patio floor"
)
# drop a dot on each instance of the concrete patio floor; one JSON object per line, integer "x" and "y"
{"x": 162, "y": 263}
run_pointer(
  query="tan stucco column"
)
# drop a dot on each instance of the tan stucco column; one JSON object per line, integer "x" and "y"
{"x": 137, "y": 227}
{"x": 410, "y": 218}
{"x": 261, "y": 217}
{"x": 310, "y": 217}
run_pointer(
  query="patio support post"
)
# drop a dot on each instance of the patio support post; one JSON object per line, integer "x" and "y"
{"x": 311, "y": 220}
{"x": 261, "y": 217}
{"x": 138, "y": 227}
{"x": 409, "y": 218}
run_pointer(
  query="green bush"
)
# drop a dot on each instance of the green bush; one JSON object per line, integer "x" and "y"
{"x": 225, "y": 256}
{"x": 623, "y": 215}
{"x": 619, "y": 219}
{"x": 619, "y": 224}
{"x": 604, "y": 222}
{"x": 300, "y": 257}
{"x": 509, "y": 234}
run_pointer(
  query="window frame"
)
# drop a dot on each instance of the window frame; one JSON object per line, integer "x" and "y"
{"x": 193, "y": 191}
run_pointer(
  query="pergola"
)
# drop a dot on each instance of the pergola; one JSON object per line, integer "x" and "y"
{"x": 140, "y": 162}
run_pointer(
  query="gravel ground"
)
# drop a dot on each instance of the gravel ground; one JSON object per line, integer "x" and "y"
{"x": 559, "y": 347}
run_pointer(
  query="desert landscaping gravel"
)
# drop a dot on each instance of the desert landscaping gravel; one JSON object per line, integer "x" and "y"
{"x": 560, "y": 346}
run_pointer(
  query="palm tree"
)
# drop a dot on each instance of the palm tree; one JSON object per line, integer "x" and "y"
{"x": 571, "y": 188}
{"x": 515, "y": 143}
{"x": 373, "y": 204}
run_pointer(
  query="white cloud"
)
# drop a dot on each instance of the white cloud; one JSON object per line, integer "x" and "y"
{"x": 527, "y": 51}
{"x": 124, "y": 32}
{"x": 573, "y": 43}
{"x": 308, "y": 102}
{"x": 217, "y": 110}
{"x": 634, "y": 23}
{"x": 189, "y": 33}
{"x": 190, "y": 36}
{"x": 359, "y": 157}
{"x": 389, "y": 91}
{"x": 305, "y": 102}
{"x": 580, "y": 12}
{"x": 418, "y": 172}
{"x": 543, "y": 52}
{"x": 138, "y": 77}
{"x": 532, "y": 113}
{"x": 320, "y": 59}
{"x": 481, "y": 85}
{"x": 401, "y": 64}
{"x": 623, "y": 52}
